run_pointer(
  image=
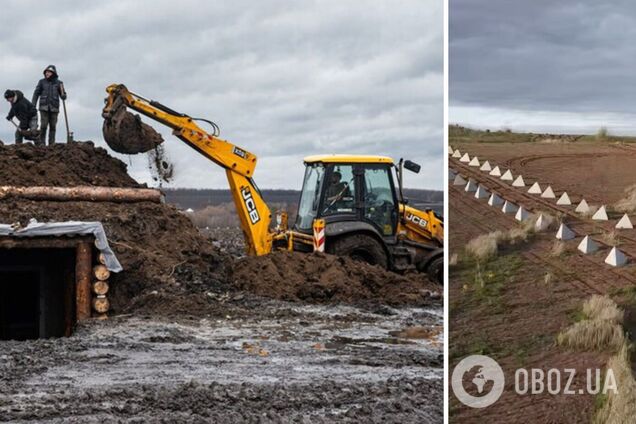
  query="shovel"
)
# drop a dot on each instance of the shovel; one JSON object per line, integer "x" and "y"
{"x": 28, "y": 134}
{"x": 69, "y": 134}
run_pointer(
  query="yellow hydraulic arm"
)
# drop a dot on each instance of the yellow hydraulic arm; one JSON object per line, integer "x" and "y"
{"x": 239, "y": 164}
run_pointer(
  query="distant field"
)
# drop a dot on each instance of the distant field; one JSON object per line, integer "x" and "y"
{"x": 459, "y": 134}
{"x": 185, "y": 198}
{"x": 215, "y": 208}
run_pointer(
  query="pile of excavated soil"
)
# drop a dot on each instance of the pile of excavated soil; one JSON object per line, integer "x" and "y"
{"x": 322, "y": 278}
{"x": 168, "y": 264}
{"x": 158, "y": 247}
{"x": 64, "y": 165}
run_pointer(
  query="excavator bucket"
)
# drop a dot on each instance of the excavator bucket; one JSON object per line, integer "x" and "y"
{"x": 125, "y": 133}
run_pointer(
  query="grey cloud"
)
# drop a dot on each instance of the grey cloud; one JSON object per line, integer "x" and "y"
{"x": 574, "y": 56}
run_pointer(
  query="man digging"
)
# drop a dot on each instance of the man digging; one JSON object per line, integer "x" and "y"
{"x": 27, "y": 116}
{"x": 49, "y": 91}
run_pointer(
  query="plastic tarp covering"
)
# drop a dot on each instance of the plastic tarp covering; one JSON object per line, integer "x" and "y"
{"x": 43, "y": 229}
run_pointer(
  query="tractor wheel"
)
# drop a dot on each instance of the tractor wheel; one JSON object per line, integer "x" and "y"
{"x": 435, "y": 270}
{"x": 360, "y": 247}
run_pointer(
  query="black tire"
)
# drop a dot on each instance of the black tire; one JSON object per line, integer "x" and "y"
{"x": 435, "y": 270}
{"x": 360, "y": 247}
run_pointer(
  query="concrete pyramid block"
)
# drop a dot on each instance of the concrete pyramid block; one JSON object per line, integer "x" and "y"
{"x": 451, "y": 174}
{"x": 548, "y": 193}
{"x": 471, "y": 185}
{"x": 457, "y": 154}
{"x": 450, "y": 150}
{"x": 624, "y": 223}
{"x": 495, "y": 200}
{"x": 564, "y": 233}
{"x": 587, "y": 245}
{"x": 507, "y": 176}
{"x": 509, "y": 207}
{"x": 535, "y": 189}
{"x": 542, "y": 223}
{"x": 485, "y": 166}
{"x": 496, "y": 172}
{"x": 522, "y": 214}
{"x": 465, "y": 158}
{"x": 564, "y": 199}
{"x": 583, "y": 207}
{"x": 459, "y": 180}
{"x": 519, "y": 182}
{"x": 474, "y": 161}
{"x": 600, "y": 214}
{"x": 616, "y": 258}
{"x": 481, "y": 192}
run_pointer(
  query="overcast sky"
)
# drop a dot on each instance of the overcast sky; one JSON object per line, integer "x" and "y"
{"x": 543, "y": 65}
{"x": 282, "y": 79}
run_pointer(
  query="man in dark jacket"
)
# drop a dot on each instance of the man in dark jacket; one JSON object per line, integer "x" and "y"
{"x": 49, "y": 90}
{"x": 26, "y": 113}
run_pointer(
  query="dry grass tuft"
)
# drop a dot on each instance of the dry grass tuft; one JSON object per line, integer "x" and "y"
{"x": 602, "y": 308}
{"x": 610, "y": 237}
{"x": 597, "y": 335}
{"x": 628, "y": 203}
{"x": 601, "y": 330}
{"x": 486, "y": 246}
{"x": 454, "y": 258}
{"x": 558, "y": 249}
{"x": 620, "y": 406}
{"x": 548, "y": 278}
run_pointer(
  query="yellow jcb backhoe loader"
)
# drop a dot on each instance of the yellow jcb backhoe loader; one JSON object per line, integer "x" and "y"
{"x": 349, "y": 204}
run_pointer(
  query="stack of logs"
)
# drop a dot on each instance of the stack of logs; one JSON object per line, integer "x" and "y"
{"x": 100, "y": 286}
{"x": 91, "y": 283}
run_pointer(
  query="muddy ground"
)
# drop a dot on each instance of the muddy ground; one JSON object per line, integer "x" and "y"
{"x": 513, "y": 306}
{"x": 274, "y": 362}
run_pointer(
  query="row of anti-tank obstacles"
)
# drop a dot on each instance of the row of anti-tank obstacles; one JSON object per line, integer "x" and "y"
{"x": 586, "y": 246}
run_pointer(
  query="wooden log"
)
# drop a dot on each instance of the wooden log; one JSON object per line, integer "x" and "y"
{"x": 84, "y": 193}
{"x": 101, "y": 304}
{"x": 83, "y": 274}
{"x": 101, "y": 259}
{"x": 101, "y": 272}
{"x": 100, "y": 287}
{"x": 13, "y": 242}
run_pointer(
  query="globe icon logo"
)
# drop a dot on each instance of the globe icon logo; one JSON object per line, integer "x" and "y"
{"x": 483, "y": 377}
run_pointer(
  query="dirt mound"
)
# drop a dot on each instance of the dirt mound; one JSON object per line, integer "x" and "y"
{"x": 158, "y": 246}
{"x": 64, "y": 165}
{"x": 322, "y": 278}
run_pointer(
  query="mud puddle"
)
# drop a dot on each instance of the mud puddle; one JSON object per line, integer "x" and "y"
{"x": 315, "y": 363}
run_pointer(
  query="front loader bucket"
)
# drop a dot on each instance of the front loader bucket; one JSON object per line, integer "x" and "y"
{"x": 125, "y": 133}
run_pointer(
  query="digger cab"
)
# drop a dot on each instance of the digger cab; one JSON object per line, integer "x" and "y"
{"x": 349, "y": 189}
{"x": 360, "y": 203}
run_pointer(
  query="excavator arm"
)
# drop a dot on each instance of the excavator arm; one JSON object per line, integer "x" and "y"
{"x": 126, "y": 134}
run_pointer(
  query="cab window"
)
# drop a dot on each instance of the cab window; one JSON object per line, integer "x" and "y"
{"x": 379, "y": 200}
{"x": 340, "y": 192}
{"x": 310, "y": 196}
